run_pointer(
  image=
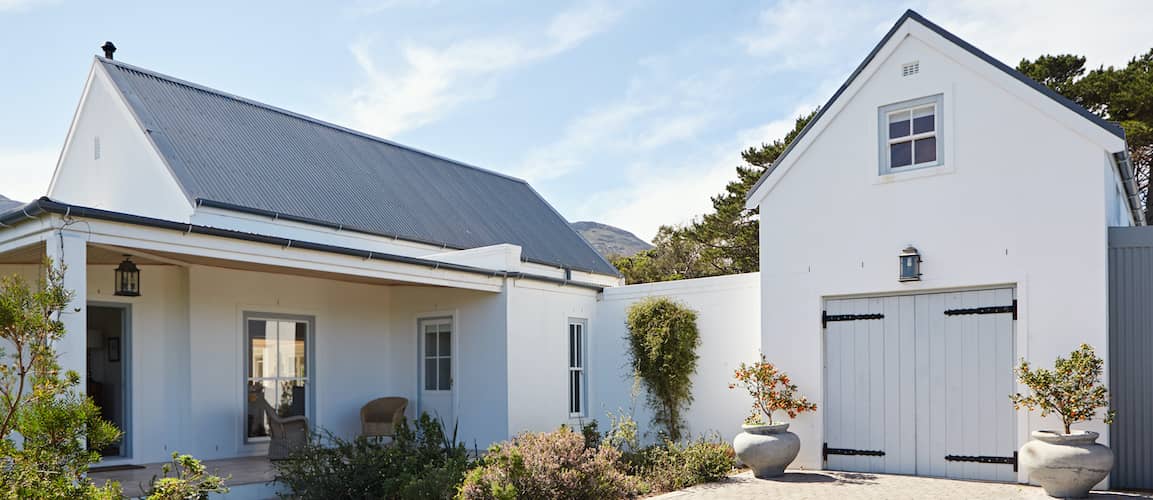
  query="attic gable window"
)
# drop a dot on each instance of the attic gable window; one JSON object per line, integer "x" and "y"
{"x": 910, "y": 135}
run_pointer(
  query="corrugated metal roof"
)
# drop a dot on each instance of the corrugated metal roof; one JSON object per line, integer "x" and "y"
{"x": 8, "y": 205}
{"x": 234, "y": 151}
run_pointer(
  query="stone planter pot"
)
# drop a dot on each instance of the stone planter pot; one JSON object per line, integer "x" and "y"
{"x": 1066, "y": 465}
{"x": 766, "y": 449}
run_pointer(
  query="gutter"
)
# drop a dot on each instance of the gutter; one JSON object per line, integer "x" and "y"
{"x": 1124, "y": 166}
{"x": 45, "y": 205}
{"x": 202, "y": 202}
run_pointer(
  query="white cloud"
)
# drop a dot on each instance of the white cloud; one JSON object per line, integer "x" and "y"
{"x": 798, "y": 33}
{"x": 434, "y": 80}
{"x": 24, "y": 175}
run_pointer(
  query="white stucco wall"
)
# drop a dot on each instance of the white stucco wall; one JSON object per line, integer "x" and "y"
{"x": 538, "y": 350}
{"x": 1019, "y": 200}
{"x": 129, "y": 176}
{"x": 728, "y": 319}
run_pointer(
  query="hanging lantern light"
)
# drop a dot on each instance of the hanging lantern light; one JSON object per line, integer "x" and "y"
{"x": 910, "y": 265}
{"x": 128, "y": 278}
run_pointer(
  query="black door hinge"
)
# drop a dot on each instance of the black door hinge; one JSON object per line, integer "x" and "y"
{"x": 984, "y": 459}
{"x": 826, "y": 451}
{"x": 985, "y": 310}
{"x": 826, "y": 317}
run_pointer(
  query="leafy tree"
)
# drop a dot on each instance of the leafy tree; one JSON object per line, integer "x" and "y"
{"x": 58, "y": 427}
{"x": 724, "y": 241}
{"x": 1124, "y": 95}
{"x": 1072, "y": 389}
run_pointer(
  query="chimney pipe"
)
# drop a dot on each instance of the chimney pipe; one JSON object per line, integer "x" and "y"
{"x": 109, "y": 49}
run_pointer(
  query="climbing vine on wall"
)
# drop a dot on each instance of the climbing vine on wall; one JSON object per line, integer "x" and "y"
{"x": 663, "y": 342}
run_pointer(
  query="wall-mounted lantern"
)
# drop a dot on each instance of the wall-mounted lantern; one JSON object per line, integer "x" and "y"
{"x": 910, "y": 265}
{"x": 128, "y": 278}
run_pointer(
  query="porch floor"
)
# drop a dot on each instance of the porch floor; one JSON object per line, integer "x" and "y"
{"x": 244, "y": 470}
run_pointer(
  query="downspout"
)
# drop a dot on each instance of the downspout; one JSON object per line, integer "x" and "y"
{"x": 1124, "y": 166}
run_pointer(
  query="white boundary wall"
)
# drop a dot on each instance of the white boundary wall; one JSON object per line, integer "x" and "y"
{"x": 728, "y": 318}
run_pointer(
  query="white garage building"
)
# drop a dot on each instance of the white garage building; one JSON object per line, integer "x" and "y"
{"x": 1006, "y": 191}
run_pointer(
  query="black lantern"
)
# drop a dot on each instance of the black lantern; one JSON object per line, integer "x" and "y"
{"x": 128, "y": 278}
{"x": 910, "y": 265}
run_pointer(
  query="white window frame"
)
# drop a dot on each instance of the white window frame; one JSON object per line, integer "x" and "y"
{"x": 884, "y": 141}
{"x": 310, "y": 369}
{"x": 577, "y": 333}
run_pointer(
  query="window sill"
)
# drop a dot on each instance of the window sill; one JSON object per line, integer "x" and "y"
{"x": 913, "y": 173}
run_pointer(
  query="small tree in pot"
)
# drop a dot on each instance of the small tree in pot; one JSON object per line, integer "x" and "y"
{"x": 1066, "y": 464}
{"x": 766, "y": 446}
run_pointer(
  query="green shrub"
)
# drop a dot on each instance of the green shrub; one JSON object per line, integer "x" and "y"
{"x": 672, "y": 466}
{"x": 663, "y": 342}
{"x": 1072, "y": 389}
{"x": 422, "y": 462}
{"x": 591, "y": 433}
{"x": 191, "y": 482}
{"x": 554, "y": 465}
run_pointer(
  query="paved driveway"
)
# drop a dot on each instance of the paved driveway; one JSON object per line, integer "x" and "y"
{"x": 854, "y": 485}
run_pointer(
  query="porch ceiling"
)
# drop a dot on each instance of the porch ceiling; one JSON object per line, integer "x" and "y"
{"x": 97, "y": 256}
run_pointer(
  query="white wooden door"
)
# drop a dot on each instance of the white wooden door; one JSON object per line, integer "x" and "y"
{"x": 920, "y": 384}
{"x": 436, "y": 369}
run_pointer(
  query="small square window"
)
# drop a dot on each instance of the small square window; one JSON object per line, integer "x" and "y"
{"x": 910, "y": 135}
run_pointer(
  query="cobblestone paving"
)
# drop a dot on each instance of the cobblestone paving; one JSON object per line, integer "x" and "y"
{"x": 798, "y": 485}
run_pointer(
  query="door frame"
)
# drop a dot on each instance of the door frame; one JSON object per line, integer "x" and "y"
{"x": 1018, "y": 343}
{"x": 454, "y": 361}
{"x": 125, "y": 309}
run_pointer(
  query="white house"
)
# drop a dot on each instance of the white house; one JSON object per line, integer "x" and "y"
{"x": 289, "y": 259}
{"x": 1003, "y": 188}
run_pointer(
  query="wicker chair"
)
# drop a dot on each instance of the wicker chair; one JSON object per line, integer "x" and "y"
{"x": 287, "y": 433}
{"x": 380, "y": 416}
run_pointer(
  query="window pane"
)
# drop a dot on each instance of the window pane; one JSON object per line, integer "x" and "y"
{"x": 899, "y": 124}
{"x": 901, "y": 154}
{"x": 579, "y": 347}
{"x": 925, "y": 150}
{"x": 571, "y": 346}
{"x": 299, "y": 344}
{"x": 445, "y": 343}
{"x": 291, "y": 398}
{"x": 258, "y": 354}
{"x": 429, "y": 343}
{"x": 430, "y": 374}
{"x": 576, "y": 392}
{"x": 261, "y": 394}
{"x": 445, "y": 375}
{"x": 290, "y": 350}
{"x": 923, "y": 120}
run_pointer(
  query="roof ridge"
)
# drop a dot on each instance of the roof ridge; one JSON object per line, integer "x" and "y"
{"x": 299, "y": 116}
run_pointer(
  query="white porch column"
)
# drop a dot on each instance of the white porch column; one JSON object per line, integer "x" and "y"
{"x": 71, "y": 250}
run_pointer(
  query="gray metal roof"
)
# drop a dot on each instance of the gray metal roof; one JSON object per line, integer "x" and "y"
{"x": 1111, "y": 127}
{"x": 8, "y": 205}
{"x": 236, "y": 153}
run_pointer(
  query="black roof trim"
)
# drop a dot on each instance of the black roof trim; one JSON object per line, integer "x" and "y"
{"x": 1111, "y": 127}
{"x": 46, "y": 205}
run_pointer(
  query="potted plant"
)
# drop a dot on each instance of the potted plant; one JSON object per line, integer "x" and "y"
{"x": 766, "y": 445}
{"x": 1066, "y": 464}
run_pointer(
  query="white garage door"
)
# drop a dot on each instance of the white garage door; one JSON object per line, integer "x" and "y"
{"x": 920, "y": 384}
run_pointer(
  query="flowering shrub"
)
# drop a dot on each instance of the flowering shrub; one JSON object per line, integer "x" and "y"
{"x": 1072, "y": 389}
{"x": 192, "y": 481}
{"x": 554, "y": 465}
{"x": 771, "y": 391}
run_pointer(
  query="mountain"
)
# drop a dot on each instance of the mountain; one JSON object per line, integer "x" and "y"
{"x": 609, "y": 240}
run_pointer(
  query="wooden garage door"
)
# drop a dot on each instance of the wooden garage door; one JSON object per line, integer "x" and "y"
{"x": 920, "y": 384}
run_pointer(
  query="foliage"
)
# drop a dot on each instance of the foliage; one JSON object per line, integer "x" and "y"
{"x": 663, "y": 342}
{"x": 672, "y": 466}
{"x": 1072, "y": 389}
{"x": 591, "y": 434}
{"x": 623, "y": 432}
{"x": 191, "y": 482}
{"x": 59, "y": 428}
{"x": 554, "y": 465}
{"x": 422, "y": 462}
{"x": 771, "y": 390}
{"x": 724, "y": 241}
{"x": 1124, "y": 95}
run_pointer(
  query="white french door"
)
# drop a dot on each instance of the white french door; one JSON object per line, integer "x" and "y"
{"x": 436, "y": 369}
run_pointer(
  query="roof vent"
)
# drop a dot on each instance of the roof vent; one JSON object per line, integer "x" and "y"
{"x": 910, "y": 69}
{"x": 109, "y": 49}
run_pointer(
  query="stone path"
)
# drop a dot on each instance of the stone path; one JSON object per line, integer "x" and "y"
{"x": 797, "y": 485}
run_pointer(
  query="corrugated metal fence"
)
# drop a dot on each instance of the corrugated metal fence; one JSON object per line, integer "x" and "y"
{"x": 1131, "y": 354}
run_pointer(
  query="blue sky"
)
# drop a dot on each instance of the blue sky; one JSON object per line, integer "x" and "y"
{"x": 628, "y": 112}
